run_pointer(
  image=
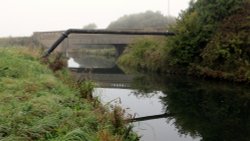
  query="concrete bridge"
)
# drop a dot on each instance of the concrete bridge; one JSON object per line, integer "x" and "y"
{"x": 75, "y": 38}
{"x": 75, "y": 41}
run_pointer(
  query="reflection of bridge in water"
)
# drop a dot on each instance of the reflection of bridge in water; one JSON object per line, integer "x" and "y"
{"x": 104, "y": 77}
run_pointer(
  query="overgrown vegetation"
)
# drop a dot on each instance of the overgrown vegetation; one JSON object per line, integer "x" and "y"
{"x": 37, "y": 105}
{"x": 145, "y": 54}
{"x": 212, "y": 40}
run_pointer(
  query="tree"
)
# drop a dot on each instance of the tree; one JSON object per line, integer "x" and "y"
{"x": 197, "y": 26}
{"x": 144, "y": 21}
{"x": 90, "y": 26}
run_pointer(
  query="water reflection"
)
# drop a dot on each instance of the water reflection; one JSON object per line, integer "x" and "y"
{"x": 90, "y": 61}
{"x": 154, "y": 129}
{"x": 193, "y": 109}
{"x": 212, "y": 110}
{"x": 215, "y": 111}
{"x": 72, "y": 63}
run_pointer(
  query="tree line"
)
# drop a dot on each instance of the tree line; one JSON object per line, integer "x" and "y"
{"x": 212, "y": 40}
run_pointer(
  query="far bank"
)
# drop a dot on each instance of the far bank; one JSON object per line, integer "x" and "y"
{"x": 212, "y": 41}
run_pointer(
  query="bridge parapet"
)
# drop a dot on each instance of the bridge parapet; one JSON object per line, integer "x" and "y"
{"x": 48, "y": 38}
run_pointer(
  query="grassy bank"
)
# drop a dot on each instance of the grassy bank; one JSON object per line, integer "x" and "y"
{"x": 37, "y": 105}
{"x": 211, "y": 41}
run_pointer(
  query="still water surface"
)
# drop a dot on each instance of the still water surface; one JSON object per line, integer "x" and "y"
{"x": 151, "y": 130}
{"x": 200, "y": 110}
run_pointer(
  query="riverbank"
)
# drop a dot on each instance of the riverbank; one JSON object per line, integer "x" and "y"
{"x": 211, "y": 41}
{"x": 39, "y": 104}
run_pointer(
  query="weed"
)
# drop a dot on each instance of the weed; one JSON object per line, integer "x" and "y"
{"x": 85, "y": 88}
{"x": 37, "y": 105}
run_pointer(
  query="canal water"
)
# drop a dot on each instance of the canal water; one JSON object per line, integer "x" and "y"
{"x": 174, "y": 108}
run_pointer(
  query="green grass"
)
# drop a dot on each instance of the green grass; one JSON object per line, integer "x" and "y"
{"x": 145, "y": 54}
{"x": 37, "y": 105}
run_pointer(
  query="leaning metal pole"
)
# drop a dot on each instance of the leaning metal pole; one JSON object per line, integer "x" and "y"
{"x": 166, "y": 115}
{"x": 83, "y": 31}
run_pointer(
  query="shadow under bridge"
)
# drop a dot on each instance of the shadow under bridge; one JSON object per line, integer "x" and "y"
{"x": 76, "y": 42}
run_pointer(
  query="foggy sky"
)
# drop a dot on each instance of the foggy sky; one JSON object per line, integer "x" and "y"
{"x": 23, "y": 17}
